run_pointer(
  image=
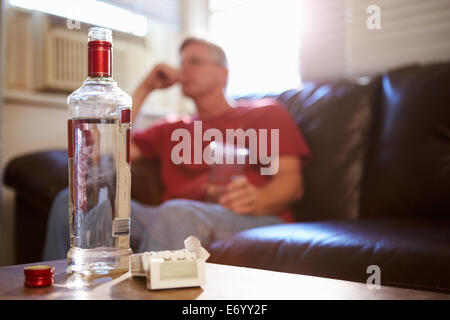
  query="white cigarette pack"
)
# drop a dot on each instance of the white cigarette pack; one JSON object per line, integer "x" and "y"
{"x": 172, "y": 269}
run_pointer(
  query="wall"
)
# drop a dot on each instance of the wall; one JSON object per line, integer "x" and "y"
{"x": 25, "y": 129}
{"x": 3, "y": 254}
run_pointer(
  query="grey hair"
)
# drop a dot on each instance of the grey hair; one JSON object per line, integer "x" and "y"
{"x": 217, "y": 52}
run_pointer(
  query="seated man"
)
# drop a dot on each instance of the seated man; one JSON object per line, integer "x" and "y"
{"x": 250, "y": 200}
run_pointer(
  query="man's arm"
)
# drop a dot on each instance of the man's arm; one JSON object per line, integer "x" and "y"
{"x": 162, "y": 76}
{"x": 285, "y": 187}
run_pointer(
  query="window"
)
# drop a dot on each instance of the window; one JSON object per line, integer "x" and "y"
{"x": 262, "y": 41}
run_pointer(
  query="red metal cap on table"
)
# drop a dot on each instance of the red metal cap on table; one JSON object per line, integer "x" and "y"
{"x": 39, "y": 276}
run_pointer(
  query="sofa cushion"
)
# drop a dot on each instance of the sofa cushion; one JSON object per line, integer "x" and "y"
{"x": 410, "y": 252}
{"x": 335, "y": 118}
{"x": 408, "y": 170}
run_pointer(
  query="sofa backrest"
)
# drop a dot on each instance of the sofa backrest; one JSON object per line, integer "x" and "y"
{"x": 381, "y": 149}
{"x": 335, "y": 119}
{"x": 408, "y": 167}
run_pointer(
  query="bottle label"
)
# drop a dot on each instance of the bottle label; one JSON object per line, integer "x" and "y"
{"x": 125, "y": 121}
{"x": 125, "y": 115}
{"x": 70, "y": 145}
{"x": 121, "y": 227}
{"x": 128, "y": 146}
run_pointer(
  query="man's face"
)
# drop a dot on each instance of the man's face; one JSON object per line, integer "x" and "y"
{"x": 200, "y": 73}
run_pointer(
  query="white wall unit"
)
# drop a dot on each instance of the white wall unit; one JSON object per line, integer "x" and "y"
{"x": 42, "y": 56}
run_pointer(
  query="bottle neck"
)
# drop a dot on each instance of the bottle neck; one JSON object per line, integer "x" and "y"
{"x": 99, "y": 59}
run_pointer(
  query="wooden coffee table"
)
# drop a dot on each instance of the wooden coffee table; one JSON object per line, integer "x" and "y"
{"x": 222, "y": 283}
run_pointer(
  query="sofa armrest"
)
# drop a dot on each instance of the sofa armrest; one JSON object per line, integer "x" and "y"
{"x": 38, "y": 176}
{"x": 146, "y": 184}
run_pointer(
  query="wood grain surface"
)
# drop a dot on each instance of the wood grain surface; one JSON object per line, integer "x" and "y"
{"x": 222, "y": 283}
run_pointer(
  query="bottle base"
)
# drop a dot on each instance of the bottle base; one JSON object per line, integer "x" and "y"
{"x": 98, "y": 261}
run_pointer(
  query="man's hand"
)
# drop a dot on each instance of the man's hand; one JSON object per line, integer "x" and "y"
{"x": 241, "y": 197}
{"x": 276, "y": 195}
{"x": 162, "y": 76}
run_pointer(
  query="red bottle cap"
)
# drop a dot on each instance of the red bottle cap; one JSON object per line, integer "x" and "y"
{"x": 39, "y": 282}
{"x": 99, "y": 59}
{"x": 39, "y": 271}
{"x": 99, "y": 52}
{"x": 39, "y": 276}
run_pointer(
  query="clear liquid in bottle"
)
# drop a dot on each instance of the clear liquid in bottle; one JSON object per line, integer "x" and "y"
{"x": 99, "y": 197}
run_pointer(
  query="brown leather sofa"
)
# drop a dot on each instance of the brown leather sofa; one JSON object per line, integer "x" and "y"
{"x": 377, "y": 191}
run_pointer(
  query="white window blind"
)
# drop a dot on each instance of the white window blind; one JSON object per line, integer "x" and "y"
{"x": 337, "y": 42}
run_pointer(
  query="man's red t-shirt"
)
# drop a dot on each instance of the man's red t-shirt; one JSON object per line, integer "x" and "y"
{"x": 187, "y": 181}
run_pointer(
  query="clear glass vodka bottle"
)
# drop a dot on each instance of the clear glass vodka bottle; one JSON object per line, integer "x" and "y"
{"x": 99, "y": 166}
